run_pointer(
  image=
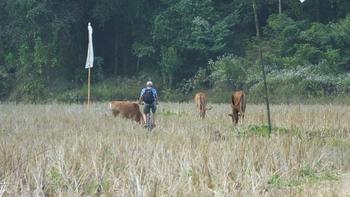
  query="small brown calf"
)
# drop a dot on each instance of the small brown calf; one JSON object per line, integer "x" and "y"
{"x": 126, "y": 109}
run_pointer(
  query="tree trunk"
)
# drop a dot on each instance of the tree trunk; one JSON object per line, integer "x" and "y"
{"x": 138, "y": 64}
{"x": 116, "y": 62}
{"x": 171, "y": 80}
{"x": 256, "y": 20}
{"x": 126, "y": 67}
{"x": 280, "y": 6}
{"x": 164, "y": 77}
{"x": 318, "y": 17}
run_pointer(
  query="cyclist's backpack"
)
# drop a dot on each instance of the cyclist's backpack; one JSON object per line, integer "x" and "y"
{"x": 148, "y": 96}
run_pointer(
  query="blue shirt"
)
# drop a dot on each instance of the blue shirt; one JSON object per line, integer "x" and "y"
{"x": 154, "y": 91}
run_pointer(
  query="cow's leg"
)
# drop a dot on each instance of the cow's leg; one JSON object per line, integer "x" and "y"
{"x": 115, "y": 112}
{"x": 199, "y": 108}
{"x": 201, "y": 111}
{"x": 236, "y": 116}
{"x": 242, "y": 110}
{"x": 145, "y": 111}
{"x": 144, "y": 118}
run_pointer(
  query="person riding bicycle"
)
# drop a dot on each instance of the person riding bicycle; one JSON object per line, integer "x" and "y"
{"x": 149, "y": 96}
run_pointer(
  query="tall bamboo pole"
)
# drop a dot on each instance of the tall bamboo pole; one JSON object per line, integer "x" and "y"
{"x": 89, "y": 62}
{"x": 89, "y": 77}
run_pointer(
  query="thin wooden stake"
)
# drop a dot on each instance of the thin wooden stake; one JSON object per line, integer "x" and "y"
{"x": 266, "y": 91}
{"x": 262, "y": 65}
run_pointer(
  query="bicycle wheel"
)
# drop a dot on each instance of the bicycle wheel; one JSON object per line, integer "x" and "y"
{"x": 149, "y": 121}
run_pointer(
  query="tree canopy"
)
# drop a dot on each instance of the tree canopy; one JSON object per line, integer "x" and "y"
{"x": 184, "y": 45}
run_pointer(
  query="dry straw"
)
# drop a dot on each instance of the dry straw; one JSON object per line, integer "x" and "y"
{"x": 65, "y": 150}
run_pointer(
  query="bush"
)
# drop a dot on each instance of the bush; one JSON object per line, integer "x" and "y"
{"x": 110, "y": 89}
{"x": 228, "y": 71}
{"x": 302, "y": 83}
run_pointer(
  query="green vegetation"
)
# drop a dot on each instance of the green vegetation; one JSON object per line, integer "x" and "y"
{"x": 341, "y": 143}
{"x": 261, "y": 130}
{"x": 306, "y": 175}
{"x": 56, "y": 179}
{"x": 169, "y": 113}
{"x": 183, "y": 46}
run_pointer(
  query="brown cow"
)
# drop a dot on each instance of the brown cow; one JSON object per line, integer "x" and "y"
{"x": 201, "y": 101}
{"x": 126, "y": 109}
{"x": 238, "y": 104}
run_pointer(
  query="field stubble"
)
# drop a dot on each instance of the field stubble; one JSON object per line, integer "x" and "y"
{"x": 67, "y": 150}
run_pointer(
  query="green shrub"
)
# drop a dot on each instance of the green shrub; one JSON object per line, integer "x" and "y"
{"x": 110, "y": 89}
{"x": 228, "y": 71}
{"x": 301, "y": 83}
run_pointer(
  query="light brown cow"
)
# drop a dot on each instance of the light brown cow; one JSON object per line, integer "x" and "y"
{"x": 126, "y": 109}
{"x": 201, "y": 101}
{"x": 238, "y": 105}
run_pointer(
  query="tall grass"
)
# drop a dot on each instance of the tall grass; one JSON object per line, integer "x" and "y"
{"x": 67, "y": 150}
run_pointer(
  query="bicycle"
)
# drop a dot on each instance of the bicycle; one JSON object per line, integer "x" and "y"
{"x": 149, "y": 119}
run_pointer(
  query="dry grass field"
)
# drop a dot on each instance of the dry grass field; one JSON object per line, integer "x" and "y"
{"x": 67, "y": 150}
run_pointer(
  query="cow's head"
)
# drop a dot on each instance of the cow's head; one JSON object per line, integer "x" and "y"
{"x": 234, "y": 116}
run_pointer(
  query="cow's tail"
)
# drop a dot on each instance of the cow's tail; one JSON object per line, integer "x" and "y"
{"x": 243, "y": 104}
{"x": 110, "y": 105}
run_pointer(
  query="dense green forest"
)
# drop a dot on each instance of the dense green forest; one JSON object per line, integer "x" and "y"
{"x": 181, "y": 45}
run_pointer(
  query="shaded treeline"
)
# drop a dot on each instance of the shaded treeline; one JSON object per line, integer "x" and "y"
{"x": 43, "y": 43}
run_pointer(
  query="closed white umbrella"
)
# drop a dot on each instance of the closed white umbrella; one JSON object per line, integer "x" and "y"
{"x": 89, "y": 60}
{"x": 90, "y": 53}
